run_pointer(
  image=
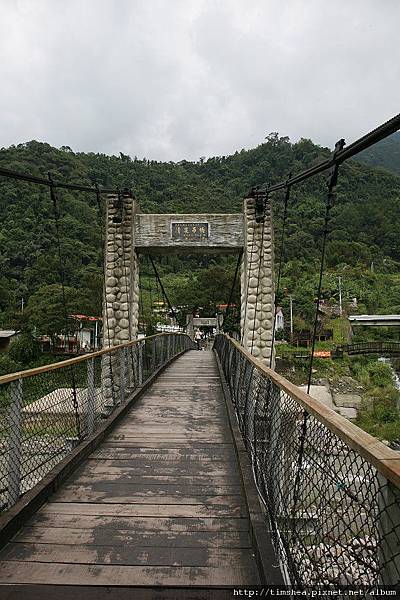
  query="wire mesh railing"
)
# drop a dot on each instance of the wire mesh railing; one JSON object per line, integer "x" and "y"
{"x": 331, "y": 491}
{"x": 46, "y": 412}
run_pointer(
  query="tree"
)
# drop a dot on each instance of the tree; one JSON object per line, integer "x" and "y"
{"x": 49, "y": 314}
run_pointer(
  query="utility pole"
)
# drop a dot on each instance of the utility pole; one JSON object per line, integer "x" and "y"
{"x": 340, "y": 296}
{"x": 22, "y": 305}
{"x": 291, "y": 317}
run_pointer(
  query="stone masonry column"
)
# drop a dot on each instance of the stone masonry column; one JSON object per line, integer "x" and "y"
{"x": 121, "y": 306}
{"x": 257, "y": 289}
{"x": 121, "y": 293}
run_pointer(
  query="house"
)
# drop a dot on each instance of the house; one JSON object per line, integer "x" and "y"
{"x": 279, "y": 320}
{"x": 6, "y": 336}
{"x": 88, "y": 333}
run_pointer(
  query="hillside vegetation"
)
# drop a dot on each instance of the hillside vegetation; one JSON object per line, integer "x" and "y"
{"x": 364, "y": 245}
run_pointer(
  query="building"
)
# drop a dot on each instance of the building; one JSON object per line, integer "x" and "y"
{"x": 6, "y": 336}
{"x": 279, "y": 319}
{"x": 88, "y": 332}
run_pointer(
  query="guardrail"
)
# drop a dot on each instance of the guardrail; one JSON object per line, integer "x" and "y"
{"x": 46, "y": 412}
{"x": 377, "y": 347}
{"x": 331, "y": 491}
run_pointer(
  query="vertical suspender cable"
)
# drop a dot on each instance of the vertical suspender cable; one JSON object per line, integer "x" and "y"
{"x": 163, "y": 292}
{"x": 54, "y": 199}
{"x": 333, "y": 175}
{"x": 233, "y": 287}
{"x": 281, "y": 260}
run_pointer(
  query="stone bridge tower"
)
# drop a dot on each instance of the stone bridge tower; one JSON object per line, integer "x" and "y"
{"x": 130, "y": 233}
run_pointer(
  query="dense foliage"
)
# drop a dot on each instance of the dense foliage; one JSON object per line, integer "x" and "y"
{"x": 364, "y": 246}
{"x": 386, "y": 154}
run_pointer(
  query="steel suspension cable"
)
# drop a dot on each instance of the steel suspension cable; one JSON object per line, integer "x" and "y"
{"x": 164, "y": 292}
{"x": 239, "y": 260}
{"x": 54, "y": 199}
{"x": 329, "y": 202}
{"x": 281, "y": 261}
{"x": 50, "y": 183}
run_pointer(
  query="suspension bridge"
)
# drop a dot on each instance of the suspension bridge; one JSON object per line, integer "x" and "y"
{"x": 150, "y": 468}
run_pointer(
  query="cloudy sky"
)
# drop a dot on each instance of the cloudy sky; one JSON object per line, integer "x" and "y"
{"x": 173, "y": 79}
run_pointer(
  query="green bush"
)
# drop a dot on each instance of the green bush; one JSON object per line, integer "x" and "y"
{"x": 379, "y": 414}
{"x": 381, "y": 374}
{"x": 8, "y": 365}
{"x": 24, "y": 349}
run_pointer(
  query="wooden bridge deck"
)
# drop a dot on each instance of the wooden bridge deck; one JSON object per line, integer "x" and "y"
{"x": 159, "y": 503}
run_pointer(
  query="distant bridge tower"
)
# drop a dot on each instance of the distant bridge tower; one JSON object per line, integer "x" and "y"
{"x": 129, "y": 233}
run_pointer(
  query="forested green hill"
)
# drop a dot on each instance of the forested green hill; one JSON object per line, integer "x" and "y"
{"x": 364, "y": 244}
{"x": 385, "y": 154}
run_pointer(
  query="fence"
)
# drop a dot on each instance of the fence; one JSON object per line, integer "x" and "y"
{"x": 373, "y": 347}
{"x": 46, "y": 412}
{"x": 331, "y": 491}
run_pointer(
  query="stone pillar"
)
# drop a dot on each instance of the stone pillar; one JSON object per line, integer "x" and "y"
{"x": 121, "y": 294}
{"x": 189, "y": 325}
{"x": 121, "y": 306}
{"x": 257, "y": 290}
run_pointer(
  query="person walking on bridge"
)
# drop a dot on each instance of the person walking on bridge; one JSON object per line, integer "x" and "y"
{"x": 197, "y": 338}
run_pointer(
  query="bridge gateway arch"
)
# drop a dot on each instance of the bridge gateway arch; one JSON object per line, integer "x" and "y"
{"x": 130, "y": 233}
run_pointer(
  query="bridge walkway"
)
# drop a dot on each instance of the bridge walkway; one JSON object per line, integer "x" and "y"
{"x": 159, "y": 503}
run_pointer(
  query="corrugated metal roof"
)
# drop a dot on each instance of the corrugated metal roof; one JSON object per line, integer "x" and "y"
{"x": 6, "y": 333}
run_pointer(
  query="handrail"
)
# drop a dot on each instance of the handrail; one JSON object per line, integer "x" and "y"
{"x": 384, "y": 459}
{"x": 47, "y": 411}
{"x": 73, "y": 361}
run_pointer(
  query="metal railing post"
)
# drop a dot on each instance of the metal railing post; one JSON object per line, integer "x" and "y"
{"x": 122, "y": 372}
{"x": 14, "y": 454}
{"x": 140, "y": 363}
{"x": 389, "y": 531}
{"x": 161, "y": 344}
{"x": 135, "y": 370}
{"x": 90, "y": 396}
{"x": 153, "y": 354}
{"x": 168, "y": 347}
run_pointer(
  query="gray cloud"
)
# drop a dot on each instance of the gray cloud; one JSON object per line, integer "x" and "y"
{"x": 173, "y": 79}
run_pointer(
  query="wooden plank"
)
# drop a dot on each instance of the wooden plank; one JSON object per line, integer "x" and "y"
{"x": 128, "y": 537}
{"x": 205, "y": 556}
{"x": 207, "y": 510}
{"x": 90, "y": 478}
{"x": 137, "y": 494}
{"x": 121, "y": 441}
{"x": 58, "y": 573}
{"x": 161, "y": 456}
{"x": 141, "y": 523}
{"x": 209, "y": 470}
{"x": 159, "y": 503}
{"x": 166, "y": 454}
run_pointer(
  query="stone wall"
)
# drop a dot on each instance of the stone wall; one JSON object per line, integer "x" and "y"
{"x": 121, "y": 306}
{"x": 257, "y": 289}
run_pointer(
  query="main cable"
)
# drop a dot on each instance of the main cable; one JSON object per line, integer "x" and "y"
{"x": 50, "y": 183}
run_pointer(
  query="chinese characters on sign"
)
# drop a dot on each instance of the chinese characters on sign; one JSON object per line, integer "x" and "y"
{"x": 189, "y": 231}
